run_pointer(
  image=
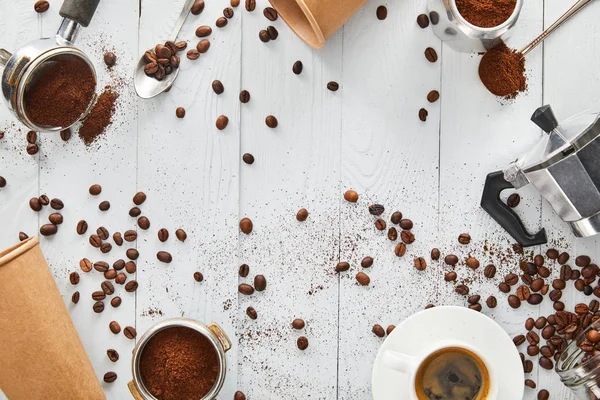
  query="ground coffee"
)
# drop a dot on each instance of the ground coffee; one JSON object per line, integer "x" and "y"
{"x": 502, "y": 71}
{"x": 100, "y": 117}
{"x": 179, "y": 364}
{"x": 61, "y": 94}
{"x": 486, "y": 13}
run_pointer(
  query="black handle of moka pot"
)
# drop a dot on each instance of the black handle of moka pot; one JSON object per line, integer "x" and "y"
{"x": 80, "y": 11}
{"x": 507, "y": 218}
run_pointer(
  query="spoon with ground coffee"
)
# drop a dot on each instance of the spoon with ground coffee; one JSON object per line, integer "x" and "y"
{"x": 156, "y": 72}
{"x": 502, "y": 70}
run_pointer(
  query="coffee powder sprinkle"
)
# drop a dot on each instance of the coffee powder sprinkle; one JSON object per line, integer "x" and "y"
{"x": 502, "y": 71}
{"x": 179, "y": 363}
{"x": 100, "y": 117}
{"x": 61, "y": 94}
{"x": 486, "y": 13}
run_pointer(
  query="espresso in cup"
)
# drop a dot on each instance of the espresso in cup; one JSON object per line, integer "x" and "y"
{"x": 452, "y": 373}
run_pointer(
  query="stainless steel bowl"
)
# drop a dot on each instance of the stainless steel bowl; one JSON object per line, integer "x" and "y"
{"x": 212, "y": 332}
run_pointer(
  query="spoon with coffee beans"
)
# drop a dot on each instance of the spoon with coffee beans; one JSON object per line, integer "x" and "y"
{"x": 159, "y": 67}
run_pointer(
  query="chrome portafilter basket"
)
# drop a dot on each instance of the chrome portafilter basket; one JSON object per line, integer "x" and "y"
{"x": 27, "y": 65}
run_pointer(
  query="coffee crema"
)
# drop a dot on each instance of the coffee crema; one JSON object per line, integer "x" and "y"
{"x": 450, "y": 374}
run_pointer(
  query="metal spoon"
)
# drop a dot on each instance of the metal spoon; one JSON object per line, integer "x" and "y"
{"x": 148, "y": 87}
{"x": 568, "y": 14}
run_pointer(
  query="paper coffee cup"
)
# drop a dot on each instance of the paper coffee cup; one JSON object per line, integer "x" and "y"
{"x": 315, "y": 21}
{"x": 42, "y": 355}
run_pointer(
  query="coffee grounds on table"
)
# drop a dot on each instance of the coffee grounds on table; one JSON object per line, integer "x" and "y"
{"x": 61, "y": 94}
{"x": 486, "y": 13}
{"x": 502, "y": 71}
{"x": 179, "y": 364}
{"x": 100, "y": 117}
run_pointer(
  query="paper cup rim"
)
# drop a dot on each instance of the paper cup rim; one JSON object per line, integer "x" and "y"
{"x": 320, "y": 38}
{"x": 17, "y": 250}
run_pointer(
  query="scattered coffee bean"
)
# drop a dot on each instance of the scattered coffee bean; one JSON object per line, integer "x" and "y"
{"x": 420, "y": 264}
{"x": 132, "y": 254}
{"x": 451, "y": 259}
{"x": 239, "y": 395}
{"x": 228, "y": 12}
{"x": 41, "y": 6}
{"x": 514, "y": 301}
{"x": 108, "y": 287}
{"x": 197, "y": 7}
{"x": 181, "y": 235}
{"x": 400, "y": 249}
{"x": 102, "y": 232}
{"x": 35, "y": 204}
{"x": 135, "y": 212}
{"x": 407, "y": 237}
{"x": 260, "y": 283}
{"x": 251, "y": 313}
{"x": 380, "y": 224}
{"x": 491, "y": 302}
{"x": 519, "y": 340}
{"x": 193, "y": 54}
{"x": 464, "y": 238}
{"x": 273, "y": 32}
{"x": 552, "y": 254}
{"x": 115, "y": 302}
{"x": 203, "y": 31}
{"x": 245, "y": 289}
{"x": 511, "y": 279}
{"x": 143, "y": 223}
{"x": 203, "y": 47}
{"x": 450, "y": 276}
{"x": 513, "y": 200}
{"x": 333, "y": 86}
{"x": 546, "y": 363}
{"x": 104, "y": 206}
{"x": 110, "y": 377}
{"x": 582, "y": 261}
{"x": 363, "y": 279}
{"x": 381, "y": 13}
{"x": 264, "y": 36}
{"x": 390, "y": 329}
{"x": 112, "y": 355}
{"x": 378, "y": 330}
{"x": 298, "y": 323}
{"x": 543, "y": 395}
{"x": 423, "y": 113}
{"x": 489, "y": 271}
{"x": 297, "y": 67}
{"x": 244, "y": 270}
{"x": 376, "y": 209}
{"x": 221, "y": 22}
{"x": 302, "y": 215}
{"x": 535, "y": 299}
{"x": 131, "y": 286}
{"x": 55, "y": 218}
{"x": 234, "y": 3}
{"x": 48, "y": 230}
{"x": 462, "y": 290}
{"x": 85, "y": 265}
{"x": 198, "y": 277}
{"x": 75, "y": 297}
{"x": 342, "y": 266}
{"x": 529, "y": 383}
{"x": 367, "y": 262}
{"x": 100, "y": 266}
{"x": 523, "y": 294}
{"x": 114, "y": 327}
{"x": 222, "y": 122}
{"x": 110, "y": 59}
{"x": 98, "y": 295}
{"x": 396, "y": 217}
{"x": 271, "y": 122}
{"x": 246, "y": 225}
{"x": 130, "y": 235}
{"x": 23, "y": 236}
{"x": 433, "y": 96}
{"x": 435, "y": 254}
{"x": 98, "y": 307}
{"x": 105, "y": 247}
{"x": 117, "y": 238}
{"x": 74, "y": 278}
{"x": 32, "y": 149}
{"x": 31, "y": 137}
{"x": 2, "y": 182}
{"x": 120, "y": 278}
{"x": 423, "y": 21}
{"x": 431, "y": 55}
{"x": 472, "y": 263}
{"x": 351, "y": 196}
{"x": 250, "y": 5}
{"x": 163, "y": 235}
{"x": 180, "y": 112}
{"x": 130, "y": 332}
{"x": 392, "y": 234}
{"x": 270, "y": 13}
{"x": 302, "y": 343}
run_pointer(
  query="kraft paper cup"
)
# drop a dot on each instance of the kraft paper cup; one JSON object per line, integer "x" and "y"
{"x": 42, "y": 355}
{"x": 315, "y": 21}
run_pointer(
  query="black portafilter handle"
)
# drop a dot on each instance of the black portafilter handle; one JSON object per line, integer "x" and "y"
{"x": 80, "y": 11}
{"x": 504, "y": 215}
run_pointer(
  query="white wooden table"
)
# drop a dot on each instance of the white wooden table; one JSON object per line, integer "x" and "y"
{"x": 366, "y": 136}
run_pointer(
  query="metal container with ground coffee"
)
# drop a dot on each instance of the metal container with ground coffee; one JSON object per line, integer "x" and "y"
{"x": 474, "y": 25}
{"x": 179, "y": 359}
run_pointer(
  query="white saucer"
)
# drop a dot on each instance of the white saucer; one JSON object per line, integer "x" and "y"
{"x": 450, "y": 323}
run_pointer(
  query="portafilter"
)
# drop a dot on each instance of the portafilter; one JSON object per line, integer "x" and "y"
{"x": 25, "y": 67}
{"x": 564, "y": 166}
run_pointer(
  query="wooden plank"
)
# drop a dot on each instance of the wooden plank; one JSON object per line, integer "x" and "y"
{"x": 297, "y": 165}
{"x": 481, "y": 134}
{"x": 67, "y": 169}
{"x": 390, "y": 157}
{"x": 190, "y": 171}
{"x": 569, "y": 57}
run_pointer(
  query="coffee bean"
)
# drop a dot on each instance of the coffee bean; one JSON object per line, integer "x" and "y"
{"x": 363, "y": 279}
{"x": 528, "y": 382}
{"x": 535, "y": 299}
{"x": 552, "y": 254}
{"x": 351, "y": 196}
{"x": 251, "y": 313}
{"x": 75, "y": 297}
{"x": 244, "y": 270}
{"x": 197, "y": 7}
{"x": 475, "y": 307}
{"x": 431, "y": 55}
{"x": 221, "y": 22}
{"x": 245, "y": 289}
{"x": 132, "y": 254}
{"x": 31, "y": 137}
{"x": 523, "y": 293}
{"x": 518, "y": 340}
{"x": 100, "y": 266}
{"x": 489, "y": 271}
{"x": 74, "y": 278}
{"x": 98, "y": 306}
{"x": 2, "y": 182}
{"x": 423, "y": 114}
{"x": 381, "y": 13}
{"x": 41, "y": 6}
{"x": 250, "y": 5}
{"x": 558, "y": 284}
{"x": 433, "y": 96}
{"x": 527, "y": 279}
{"x": 273, "y": 32}
{"x": 193, "y": 54}
{"x": 342, "y": 266}
{"x": 400, "y": 249}
{"x": 105, "y": 247}
{"x": 104, "y": 206}
{"x": 407, "y": 237}
{"x": 180, "y": 235}
{"x": 367, "y": 262}
{"x": 462, "y": 290}
{"x": 503, "y": 287}
{"x": 270, "y": 13}
{"x": 228, "y": 12}
{"x": 34, "y": 204}
{"x": 558, "y": 306}
{"x": 32, "y": 149}
{"x": 594, "y": 306}
{"x": 451, "y": 259}
{"x": 131, "y": 286}
{"x": 450, "y": 276}
{"x": 472, "y": 263}
{"x": 491, "y": 302}
{"x": 396, "y": 217}
{"x": 130, "y": 332}
{"x": 112, "y": 355}
{"x": 333, "y": 86}
{"x": 120, "y": 278}
{"x": 239, "y": 395}
{"x": 115, "y": 302}
{"x": 130, "y": 267}
{"x": 543, "y": 272}
{"x": 203, "y": 47}
{"x": 130, "y": 235}
{"x": 260, "y": 283}
{"x": 85, "y": 265}
{"x": 246, "y": 225}
{"x": 297, "y": 67}
{"x": 98, "y": 295}
{"x": 298, "y": 323}
{"x": 203, "y": 31}
{"x": 198, "y": 277}
{"x": 180, "y": 112}
{"x": 392, "y": 234}
{"x": 420, "y": 264}
{"x": 511, "y": 279}
{"x": 464, "y": 238}
{"x": 48, "y": 230}
{"x": 378, "y": 330}
{"x": 582, "y": 261}
{"x": 423, "y": 21}
{"x": 514, "y": 301}
{"x": 143, "y": 223}
{"x": 380, "y": 224}
{"x": 538, "y": 260}
{"x": 271, "y": 122}
{"x": 102, "y": 233}
{"x": 474, "y": 299}
{"x": 588, "y": 290}
{"x": 546, "y": 363}
{"x": 566, "y": 272}
{"x": 135, "y": 212}
{"x": 244, "y": 96}
{"x": 108, "y": 287}
{"x": 593, "y": 336}
{"x": 114, "y": 327}
{"x": 117, "y": 238}
{"x": 513, "y": 200}
{"x": 110, "y": 377}
{"x": 435, "y": 254}
{"x": 579, "y": 284}
{"x": 555, "y": 295}
{"x": 376, "y": 209}
{"x": 23, "y": 236}
{"x": 302, "y": 214}
{"x": 543, "y": 395}
{"x": 110, "y": 59}
{"x": 222, "y": 122}
{"x": 55, "y": 218}
{"x": 44, "y": 200}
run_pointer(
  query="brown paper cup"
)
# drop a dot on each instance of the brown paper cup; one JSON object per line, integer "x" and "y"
{"x": 315, "y": 21}
{"x": 42, "y": 355}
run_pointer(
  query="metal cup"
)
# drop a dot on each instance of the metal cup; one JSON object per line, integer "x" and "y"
{"x": 465, "y": 37}
{"x": 27, "y": 64}
{"x": 212, "y": 332}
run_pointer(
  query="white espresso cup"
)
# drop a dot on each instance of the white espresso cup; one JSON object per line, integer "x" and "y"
{"x": 409, "y": 365}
